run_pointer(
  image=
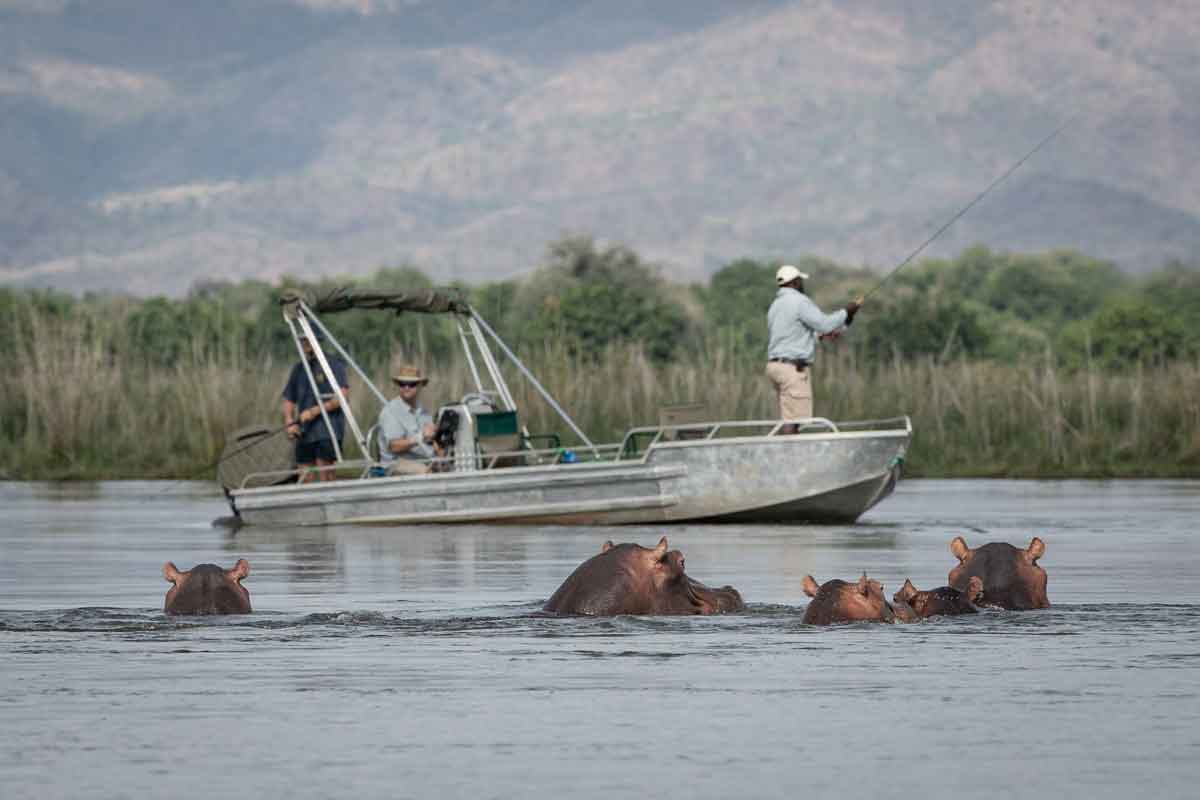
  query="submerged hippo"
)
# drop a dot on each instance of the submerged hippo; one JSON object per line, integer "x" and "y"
{"x": 911, "y": 604}
{"x": 631, "y": 579}
{"x": 207, "y": 589}
{"x": 1011, "y": 576}
{"x": 839, "y": 601}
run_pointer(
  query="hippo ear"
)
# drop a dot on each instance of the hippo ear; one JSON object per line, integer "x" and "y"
{"x": 662, "y": 548}
{"x": 974, "y": 589}
{"x": 171, "y": 573}
{"x": 1037, "y": 549}
{"x": 959, "y": 548}
{"x": 906, "y": 591}
{"x": 608, "y": 545}
{"x": 240, "y": 570}
{"x": 864, "y": 585}
{"x": 810, "y": 586}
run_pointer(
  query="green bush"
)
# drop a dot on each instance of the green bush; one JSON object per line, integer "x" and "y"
{"x": 1127, "y": 331}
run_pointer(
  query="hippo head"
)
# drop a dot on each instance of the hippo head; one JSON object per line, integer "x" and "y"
{"x": 631, "y": 579}
{"x": 207, "y": 589}
{"x": 1011, "y": 577}
{"x": 912, "y": 604}
{"x": 907, "y": 592}
{"x": 840, "y": 601}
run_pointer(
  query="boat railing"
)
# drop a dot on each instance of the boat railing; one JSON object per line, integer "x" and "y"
{"x": 632, "y": 446}
{"x": 367, "y": 468}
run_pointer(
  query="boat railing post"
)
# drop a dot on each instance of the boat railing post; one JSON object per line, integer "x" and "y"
{"x": 477, "y": 320}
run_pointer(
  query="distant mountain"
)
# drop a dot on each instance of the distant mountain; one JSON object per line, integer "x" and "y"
{"x": 147, "y": 145}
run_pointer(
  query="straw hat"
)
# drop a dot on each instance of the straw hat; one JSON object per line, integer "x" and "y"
{"x": 408, "y": 373}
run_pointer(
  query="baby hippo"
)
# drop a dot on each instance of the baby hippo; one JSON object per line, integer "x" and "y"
{"x": 911, "y": 604}
{"x": 207, "y": 589}
{"x": 1011, "y": 576}
{"x": 839, "y": 601}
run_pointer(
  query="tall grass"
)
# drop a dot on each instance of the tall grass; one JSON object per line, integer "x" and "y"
{"x": 74, "y": 405}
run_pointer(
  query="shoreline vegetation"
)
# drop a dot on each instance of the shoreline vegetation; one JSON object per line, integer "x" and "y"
{"x": 1101, "y": 379}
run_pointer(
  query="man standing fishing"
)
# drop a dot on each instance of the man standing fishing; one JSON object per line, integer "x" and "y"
{"x": 793, "y": 324}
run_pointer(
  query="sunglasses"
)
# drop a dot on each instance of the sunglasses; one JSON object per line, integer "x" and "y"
{"x": 408, "y": 384}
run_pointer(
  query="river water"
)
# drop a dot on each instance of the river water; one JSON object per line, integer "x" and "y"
{"x": 409, "y": 662}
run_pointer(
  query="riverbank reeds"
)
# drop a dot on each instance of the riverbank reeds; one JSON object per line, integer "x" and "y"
{"x": 74, "y": 406}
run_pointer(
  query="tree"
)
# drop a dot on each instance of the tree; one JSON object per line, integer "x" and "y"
{"x": 1127, "y": 331}
{"x": 591, "y": 298}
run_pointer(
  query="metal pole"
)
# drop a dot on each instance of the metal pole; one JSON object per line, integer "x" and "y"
{"x": 466, "y": 345}
{"x": 333, "y": 382}
{"x": 476, "y": 319}
{"x": 490, "y": 362}
{"x": 342, "y": 352}
{"x": 312, "y": 382}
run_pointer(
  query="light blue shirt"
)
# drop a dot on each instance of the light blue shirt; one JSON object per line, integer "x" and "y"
{"x": 399, "y": 421}
{"x": 793, "y": 323}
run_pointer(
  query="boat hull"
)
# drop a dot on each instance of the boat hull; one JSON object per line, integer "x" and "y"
{"x": 802, "y": 478}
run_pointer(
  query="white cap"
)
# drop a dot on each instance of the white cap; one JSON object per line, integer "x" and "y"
{"x": 787, "y": 273}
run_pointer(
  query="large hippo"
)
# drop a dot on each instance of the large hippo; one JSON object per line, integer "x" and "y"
{"x": 911, "y": 604}
{"x": 631, "y": 579}
{"x": 207, "y": 589}
{"x": 840, "y": 601}
{"x": 1011, "y": 576}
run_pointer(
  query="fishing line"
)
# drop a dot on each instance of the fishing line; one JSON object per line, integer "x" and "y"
{"x": 969, "y": 206}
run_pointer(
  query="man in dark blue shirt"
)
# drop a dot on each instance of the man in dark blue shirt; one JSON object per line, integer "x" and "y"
{"x": 302, "y": 414}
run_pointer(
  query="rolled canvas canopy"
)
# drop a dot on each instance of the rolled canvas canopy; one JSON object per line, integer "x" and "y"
{"x": 423, "y": 301}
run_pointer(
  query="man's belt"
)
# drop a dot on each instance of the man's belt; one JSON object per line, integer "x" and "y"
{"x": 798, "y": 363}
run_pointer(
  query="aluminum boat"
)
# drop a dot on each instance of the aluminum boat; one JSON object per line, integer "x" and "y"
{"x": 684, "y": 469}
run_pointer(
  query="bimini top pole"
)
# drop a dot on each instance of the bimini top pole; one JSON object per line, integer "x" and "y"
{"x": 342, "y": 352}
{"x": 529, "y": 376}
{"x": 342, "y": 399}
{"x": 293, "y": 323}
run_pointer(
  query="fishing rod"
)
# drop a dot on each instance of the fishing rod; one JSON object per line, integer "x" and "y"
{"x": 966, "y": 208}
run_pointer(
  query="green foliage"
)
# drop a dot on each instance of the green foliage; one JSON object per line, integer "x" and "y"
{"x": 986, "y": 351}
{"x": 587, "y": 299}
{"x": 918, "y": 325}
{"x": 1126, "y": 331}
{"x": 736, "y": 301}
{"x": 1176, "y": 291}
{"x": 592, "y": 298}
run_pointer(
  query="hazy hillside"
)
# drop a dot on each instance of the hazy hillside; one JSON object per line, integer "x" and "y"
{"x": 146, "y": 145}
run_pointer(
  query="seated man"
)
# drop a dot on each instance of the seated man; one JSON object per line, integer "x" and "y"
{"x": 405, "y": 428}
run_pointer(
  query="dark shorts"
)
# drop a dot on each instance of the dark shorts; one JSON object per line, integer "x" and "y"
{"x": 309, "y": 452}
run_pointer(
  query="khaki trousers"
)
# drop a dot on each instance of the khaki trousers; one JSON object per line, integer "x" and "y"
{"x": 406, "y": 466}
{"x": 793, "y": 388}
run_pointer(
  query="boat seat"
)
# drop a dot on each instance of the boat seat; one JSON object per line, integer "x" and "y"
{"x": 498, "y": 432}
{"x": 684, "y": 414}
